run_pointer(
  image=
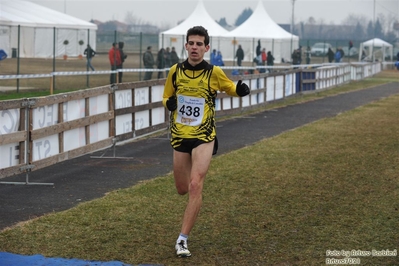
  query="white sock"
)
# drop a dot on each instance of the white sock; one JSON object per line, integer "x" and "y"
{"x": 182, "y": 237}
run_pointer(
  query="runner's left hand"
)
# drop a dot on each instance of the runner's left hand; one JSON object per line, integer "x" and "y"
{"x": 242, "y": 89}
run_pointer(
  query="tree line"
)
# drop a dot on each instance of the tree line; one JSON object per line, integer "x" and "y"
{"x": 352, "y": 28}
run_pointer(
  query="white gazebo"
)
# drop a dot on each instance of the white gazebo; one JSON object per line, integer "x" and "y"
{"x": 377, "y": 49}
{"x": 36, "y": 29}
{"x": 176, "y": 37}
{"x": 259, "y": 26}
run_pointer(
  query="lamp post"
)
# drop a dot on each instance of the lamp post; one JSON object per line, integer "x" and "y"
{"x": 372, "y": 49}
{"x": 292, "y": 25}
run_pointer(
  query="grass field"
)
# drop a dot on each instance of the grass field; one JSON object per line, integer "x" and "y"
{"x": 328, "y": 186}
{"x": 45, "y": 66}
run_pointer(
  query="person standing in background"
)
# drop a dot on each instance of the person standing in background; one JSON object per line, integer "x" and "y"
{"x": 270, "y": 60}
{"x": 308, "y": 55}
{"x": 174, "y": 58}
{"x": 123, "y": 58}
{"x": 212, "y": 58}
{"x": 296, "y": 57}
{"x": 258, "y": 49}
{"x": 115, "y": 60}
{"x": 330, "y": 55}
{"x": 90, "y": 53}
{"x": 264, "y": 56}
{"x": 218, "y": 60}
{"x": 148, "y": 61}
{"x": 300, "y": 54}
{"x": 258, "y": 58}
{"x": 339, "y": 54}
{"x": 160, "y": 62}
{"x": 167, "y": 60}
{"x": 239, "y": 55}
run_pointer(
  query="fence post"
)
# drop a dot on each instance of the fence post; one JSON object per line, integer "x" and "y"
{"x": 51, "y": 84}
{"x": 18, "y": 49}
{"x": 87, "y": 66}
{"x": 28, "y": 103}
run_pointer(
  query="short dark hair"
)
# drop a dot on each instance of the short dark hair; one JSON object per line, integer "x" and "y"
{"x": 149, "y": 47}
{"x": 198, "y": 30}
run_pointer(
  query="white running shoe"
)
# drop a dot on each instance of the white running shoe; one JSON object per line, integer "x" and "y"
{"x": 182, "y": 250}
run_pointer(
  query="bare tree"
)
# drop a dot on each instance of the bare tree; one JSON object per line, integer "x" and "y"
{"x": 353, "y": 20}
{"x": 131, "y": 19}
{"x": 311, "y": 21}
{"x": 165, "y": 26}
{"x": 383, "y": 22}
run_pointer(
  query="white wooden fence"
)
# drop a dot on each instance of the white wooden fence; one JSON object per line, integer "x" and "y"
{"x": 42, "y": 131}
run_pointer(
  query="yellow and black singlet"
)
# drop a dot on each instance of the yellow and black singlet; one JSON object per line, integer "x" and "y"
{"x": 195, "y": 89}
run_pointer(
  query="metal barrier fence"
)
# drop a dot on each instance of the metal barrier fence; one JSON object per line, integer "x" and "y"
{"x": 38, "y": 132}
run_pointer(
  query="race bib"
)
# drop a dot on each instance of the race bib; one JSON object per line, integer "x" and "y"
{"x": 190, "y": 110}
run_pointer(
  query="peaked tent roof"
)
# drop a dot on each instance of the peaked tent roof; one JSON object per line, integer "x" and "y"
{"x": 260, "y": 25}
{"x": 199, "y": 17}
{"x": 376, "y": 42}
{"x": 28, "y": 14}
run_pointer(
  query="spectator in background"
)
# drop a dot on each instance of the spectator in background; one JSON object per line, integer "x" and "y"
{"x": 239, "y": 55}
{"x": 308, "y": 55}
{"x": 258, "y": 58}
{"x": 174, "y": 58}
{"x": 270, "y": 60}
{"x": 339, "y": 54}
{"x": 258, "y": 51}
{"x": 123, "y": 58}
{"x": 3, "y": 54}
{"x": 330, "y": 55}
{"x": 342, "y": 53}
{"x": 218, "y": 59}
{"x": 264, "y": 56}
{"x": 90, "y": 53}
{"x": 167, "y": 57}
{"x": 364, "y": 56}
{"x": 213, "y": 57}
{"x": 148, "y": 61}
{"x": 397, "y": 56}
{"x": 115, "y": 60}
{"x": 167, "y": 60}
{"x": 300, "y": 54}
{"x": 296, "y": 57}
{"x": 160, "y": 62}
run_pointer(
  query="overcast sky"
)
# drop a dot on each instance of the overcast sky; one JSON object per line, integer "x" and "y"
{"x": 169, "y": 12}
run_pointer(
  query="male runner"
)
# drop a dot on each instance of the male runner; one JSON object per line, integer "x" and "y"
{"x": 189, "y": 94}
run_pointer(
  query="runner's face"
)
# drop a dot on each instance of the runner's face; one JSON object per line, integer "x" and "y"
{"x": 196, "y": 49}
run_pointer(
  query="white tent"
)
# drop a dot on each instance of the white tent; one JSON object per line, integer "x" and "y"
{"x": 176, "y": 36}
{"x": 376, "y": 49}
{"x": 35, "y": 29}
{"x": 259, "y": 26}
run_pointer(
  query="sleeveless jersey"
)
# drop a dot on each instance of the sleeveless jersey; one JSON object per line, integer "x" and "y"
{"x": 195, "y": 89}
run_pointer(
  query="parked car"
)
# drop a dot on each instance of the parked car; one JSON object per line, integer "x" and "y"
{"x": 320, "y": 48}
{"x": 352, "y": 52}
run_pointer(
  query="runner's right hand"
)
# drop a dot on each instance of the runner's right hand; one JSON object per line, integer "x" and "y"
{"x": 171, "y": 103}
